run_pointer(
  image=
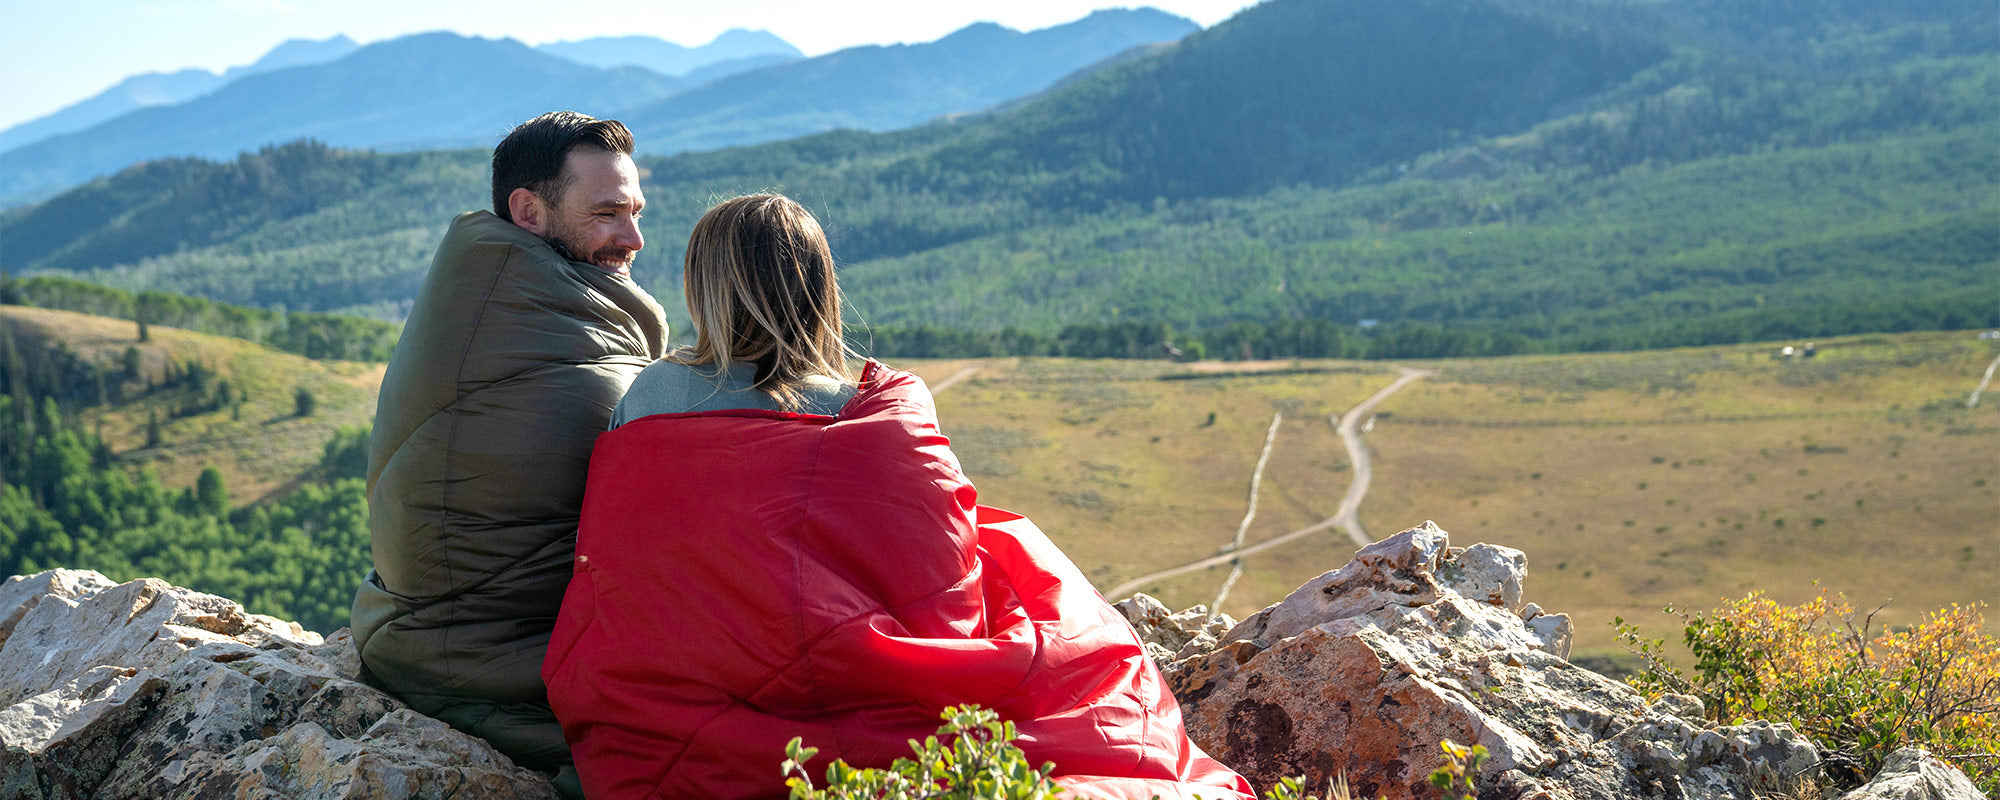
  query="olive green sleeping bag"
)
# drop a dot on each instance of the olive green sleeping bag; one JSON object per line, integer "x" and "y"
{"x": 507, "y": 371}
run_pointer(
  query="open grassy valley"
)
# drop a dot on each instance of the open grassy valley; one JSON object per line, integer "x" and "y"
{"x": 1632, "y": 480}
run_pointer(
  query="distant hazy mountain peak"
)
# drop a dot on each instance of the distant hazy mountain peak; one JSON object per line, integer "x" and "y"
{"x": 753, "y": 41}
{"x": 1135, "y": 12}
{"x": 668, "y": 58}
{"x": 297, "y": 53}
{"x": 978, "y": 29}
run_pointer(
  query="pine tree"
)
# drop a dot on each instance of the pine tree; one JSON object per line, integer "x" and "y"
{"x": 211, "y": 497}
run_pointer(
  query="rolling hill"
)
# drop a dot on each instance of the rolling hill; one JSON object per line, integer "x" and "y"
{"x": 212, "y": 460}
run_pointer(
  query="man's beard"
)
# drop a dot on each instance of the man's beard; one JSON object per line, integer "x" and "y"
{"x": 610, "y": 257}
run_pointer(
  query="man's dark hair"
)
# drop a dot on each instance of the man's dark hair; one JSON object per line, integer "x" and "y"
{"x": 532, "y": 156}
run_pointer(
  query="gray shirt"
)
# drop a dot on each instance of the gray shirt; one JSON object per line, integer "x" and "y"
{"x": 667, "y": 387}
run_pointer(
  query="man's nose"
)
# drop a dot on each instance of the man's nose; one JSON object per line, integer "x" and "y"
{"x": 628, "y": 235}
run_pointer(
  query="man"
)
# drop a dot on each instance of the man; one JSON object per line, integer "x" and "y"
{"x": 525, "y": 334}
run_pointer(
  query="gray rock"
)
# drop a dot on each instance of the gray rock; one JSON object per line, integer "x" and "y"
{"x": 404, "y": 755}
{"x": 144, "y": 690}
{"x": 142, "y": 624}
{"x": 1366, "y": 669}
{"x": 1166, "y": 633}
{"x": 21, "y": 593}
{"x": 1912, "y": 774}
{"x": 60, "y": 744}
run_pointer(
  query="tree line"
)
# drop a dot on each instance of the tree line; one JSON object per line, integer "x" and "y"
{"x": 310, "y": 334}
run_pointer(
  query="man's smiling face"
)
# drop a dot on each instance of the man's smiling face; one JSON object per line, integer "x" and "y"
{"x": 596, "y": 216}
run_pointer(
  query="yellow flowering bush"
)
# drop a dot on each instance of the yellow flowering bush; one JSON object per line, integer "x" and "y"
{"x": 1858, "y": 695}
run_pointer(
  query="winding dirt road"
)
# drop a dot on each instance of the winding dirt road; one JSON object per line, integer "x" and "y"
{"x": 1345, "y": 517}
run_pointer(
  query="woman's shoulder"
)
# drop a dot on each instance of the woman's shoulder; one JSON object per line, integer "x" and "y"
{"x": 667, "y": 373}
{"x": 664, "y": 387}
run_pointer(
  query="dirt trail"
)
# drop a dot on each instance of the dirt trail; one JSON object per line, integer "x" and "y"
{"x": 1974, "y": 399}
{"x": 1243, "y": 528}
{"x": 939, "y": 387}
{"x": 1345, "y": 517}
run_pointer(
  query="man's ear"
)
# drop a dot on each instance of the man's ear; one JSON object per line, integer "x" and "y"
{"x": 528, "y": 210}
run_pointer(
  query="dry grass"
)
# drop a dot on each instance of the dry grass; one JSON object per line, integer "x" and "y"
{"x": 1126, "y": 470}
{"x": 1632, "y": 480}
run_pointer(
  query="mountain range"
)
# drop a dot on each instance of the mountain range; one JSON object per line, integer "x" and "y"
{"x": 880, "y": 88}
{"x": 1471, "y": 176}
{"x": 167, "y": 88}
{"x": 443, "y": 90}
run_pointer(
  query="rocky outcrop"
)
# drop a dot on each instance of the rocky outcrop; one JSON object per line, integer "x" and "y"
{"x": 147, "y": 690}
{"x": 1167, "y": 634}
{"x": 1365, "y": 670}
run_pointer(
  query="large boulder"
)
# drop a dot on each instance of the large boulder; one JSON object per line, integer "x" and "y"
{"x": 148, "y": 690}
{"x": 1365, "y": 670}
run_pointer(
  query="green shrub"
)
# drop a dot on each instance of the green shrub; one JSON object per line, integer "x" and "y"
{"x": 972, "y": 757}
{"x": 1858, "y": 696}
{"x": 979, "y": 761}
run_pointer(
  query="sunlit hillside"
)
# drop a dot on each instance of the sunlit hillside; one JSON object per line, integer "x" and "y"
{"x": 258, "y": 441}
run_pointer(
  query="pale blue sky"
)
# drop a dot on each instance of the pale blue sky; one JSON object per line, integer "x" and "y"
{"x": 60, "y": 51}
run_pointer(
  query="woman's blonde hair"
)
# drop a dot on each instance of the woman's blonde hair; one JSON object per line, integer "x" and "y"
{"x": 760, "y": 288}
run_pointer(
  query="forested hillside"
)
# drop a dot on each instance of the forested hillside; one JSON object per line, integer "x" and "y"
{"x": 1362, "y": 177}
{"x": 143, "y": 450}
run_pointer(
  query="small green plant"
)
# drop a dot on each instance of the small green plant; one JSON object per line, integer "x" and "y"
{"x": 972, "y": 757}
{"x": 978, "y": 762}
{"x": 1454, "y": 780}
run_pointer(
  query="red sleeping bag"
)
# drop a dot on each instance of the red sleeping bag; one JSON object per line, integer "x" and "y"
{"x": 744, "y": 577}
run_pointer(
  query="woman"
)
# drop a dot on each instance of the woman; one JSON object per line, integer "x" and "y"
{"x": 774, "y": 546}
